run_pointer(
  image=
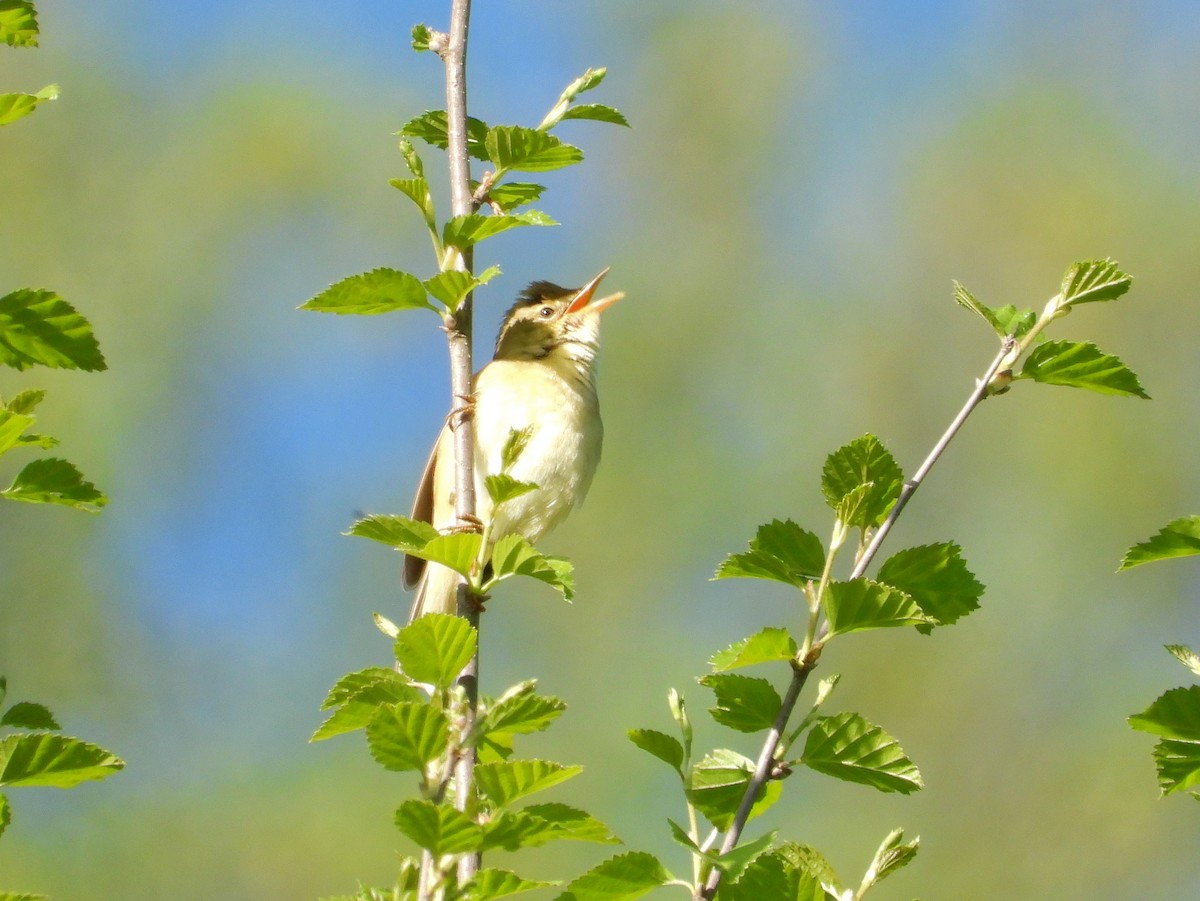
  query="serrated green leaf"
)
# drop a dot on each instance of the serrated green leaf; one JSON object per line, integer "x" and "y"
{"x": 457, "y": 551}
{"x": 861, "y": 461}
{"x": 452, "y": 286}
{"x": 18, "y": 23}
{"x": 420, "y": 38}
{"x": 893, "y": 853}
{"x": 417, "y": 190}
{"x": 491, "y": 883}
{"x": 539, "y": 824}
{"x": 780, "y": 551}
{"x": 1093, "y": 280}
{"x": 510, "y": 195}
{"x": 763, "y": 647}
{"x": 514, "y": 446}
{"x": 936, "y": 578}
{"x": 55, "y": 481}
{"x": 435, "y": 647}
{"x": 12, "y": 427}
{"x": 1081, "y": 365}
{"x": 503, "y": 488}
{"x": 1016, "y": 321}
{"x": 371, "y": 293}
{"x": 430, "y": 127}
{"x": 1186, "y": 656}
{"x": 734, "y": 862}
{"x": 1178, "y": 765}
{"x": 5, "y": 814}
{"x": 862, "y": 604}
{"x": 397, "y": 532}
{"x": 665, "y": 747}
{"x": 407, "y": 736}
{"x": 520, "y": 711}
{"x": 18, "y": 106}
{"x": 848, "y": 747}
{"x": 621, "y": 878}
{"x": 1180, "y": 538}
{"x": 513, "y": 555}
{"x": 54, "y": 760}
{"x": 411, "y": 159}
{"x": 467, "y": 231}
{"x": 438, "y": 828}
{"x": 792, "y": 872}
{"x": 718, "y": 783}
{"x": 21, "y": 896}
{"x": 508, "y": 781}
{"x": 965, "y": 298}
{"x": 373, "y": 683}
{"x": 350, "y": 717}
{"x": 854, "y": 507}
{"x": 519, "y": 149}
{"x": 1175, "y": 714}
{"x": 744, "y": 703}
{"x": 40, "y": 328}
{"x": 597, "y": 112}
{"x": 27, "y": 715}
{"x": 26, "y": 401}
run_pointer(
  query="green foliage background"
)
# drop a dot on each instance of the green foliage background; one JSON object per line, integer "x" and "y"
{"x": 786, "y": 217}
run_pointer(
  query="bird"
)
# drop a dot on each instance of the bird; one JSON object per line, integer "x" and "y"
{"x": 542, "y": 378}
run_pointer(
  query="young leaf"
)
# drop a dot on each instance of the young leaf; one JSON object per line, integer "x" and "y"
{"x": 411, "y": 159}
{"x": 861, "y": 604}
{"x": 457, "y": 551}
{"x": 40, "y": 328}
{"x": 373, "y": 683}
{"x": 467, "y": 231}
{"x": 863, "y": 460}
{"x": 397, "y": 532}
{"x": 431, "y": 128}
{"x": 407, "y": 735}
{"x": 794, "y": 872}
{"x": 27, "y": 715}
{"x": 1093, "y": 280}
{"x": 573, "y": 824}
{"x": 514, "y": 446}
{"x": 438, "y": 828}
{"x": 490, "y": 883}
{"x": 54, "y": 481}
{"x": 18, "y": 23}
{"x": 1175, "y": 714}
{"x": 12, "y": 427}
{"x": 893, "y": 854}
{"x": 503, "y": 488}
{"x": 503, "y": 783}
{"x": 1081, "y": 365}
{"x": 780, "y": 551}
{"x": 848, "y": 747}
{"x": 513, "y": 555}
{"x": 54, "y": 760}
{"x": 679, "y": 714}
{"x": 936, "y": 578}
{"x": 18, "y": 106}
{"x": 5, "y": 814}
{"x": 1180, "y": 538}
{"x": 621, "y": 878}
{"x": 718, "y": 783}
{"x": 510, "y": 195}
{"x": 744, "y": 703}
{"x": 1186, "y": 656}
{"x": 514, "y": 148}
{"x": 598, "y": 112}
{"x": 964, "y": 298}
{"x": 417, "y": 190}
{"x": 434, "y": 648}
{"x": 539, "y": 824}
{"x": 1178, "y": 765}
{"x": 371, "y": 293}
{"x": 420, "y": 38}
{"x": 452, "y": 286}
{"x": 26, "y": 401}
{"x": 665, "y": 747}
{"x": 763, "y": 647}
{"x": 734, "y": 862}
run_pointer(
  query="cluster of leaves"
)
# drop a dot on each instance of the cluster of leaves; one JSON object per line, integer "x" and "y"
{"x": 40, "y": 757}
{"x": 508, "y": 149}
{"x": 1175, "y": 715}
{"x": 19, "y": 28}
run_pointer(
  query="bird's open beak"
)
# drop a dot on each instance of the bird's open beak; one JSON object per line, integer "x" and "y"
{"x": 583, "y": 299}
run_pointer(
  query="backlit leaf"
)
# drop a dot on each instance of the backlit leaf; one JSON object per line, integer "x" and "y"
{"x": 467, "y": 231}
{"x": 621, "y": 878}
{"x": 55, "y": 760}
{"x": 848, "y": 747}
{"x": 864, "y": 460}
{"x": 513, "y": 555}
{"x": 763, "y": 647}
{"x": 1094, "y": 280}
{"x": 598, "y": 112}
{"x": 40, "y": 328}
{"x": 1175, "y": 714}
{"x": 665, "y": 747}
{"x": 371, "y": 293}
{"x": 861, "y": 604}
{"x": 718, "y": 783}
{"x": 780, "y": 551}
{"x": 508, "y": 781}
{"x": 936, "y": 578}
{"x": 512, "y": 147}
{"x": 744, "y": 703}
{"x": 18, "y": 23}
{"x": 1081, "y": 365}
{"x": 431, "y": 128}
{"x": 1178, "y": 764}
{"x": 435, "y": 647}
{"x": 54, "y": 481}
{"x": 27, "y": 715}
{"x": 1180, "y": 538}
{"x": 438, "y": 828}
{"x": 407, "y": 735}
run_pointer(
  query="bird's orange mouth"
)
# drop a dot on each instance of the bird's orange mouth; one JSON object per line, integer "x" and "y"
{"x": 583, "y": 299}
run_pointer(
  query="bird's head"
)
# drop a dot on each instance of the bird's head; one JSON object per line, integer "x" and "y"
{"x": 549, "y": 320}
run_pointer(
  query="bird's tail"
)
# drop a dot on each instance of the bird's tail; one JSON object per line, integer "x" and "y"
{"x": 437, "y": 592}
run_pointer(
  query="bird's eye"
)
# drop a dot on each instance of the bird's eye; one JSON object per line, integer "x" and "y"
{"x": 546, "y": 312}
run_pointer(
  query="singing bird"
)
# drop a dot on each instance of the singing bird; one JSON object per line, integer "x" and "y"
{"x": 542, "y": 377}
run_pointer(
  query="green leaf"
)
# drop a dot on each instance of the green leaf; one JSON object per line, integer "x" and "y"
{"x": 598, "y": 112}
{"x": 397, "y": 532}
{"x": 513, "y": 555}
{"x": 964, "y": 298}
{"x": 375, "y": 683}
{"x": 505, "y": 782}
{"x": 893, "y": 853}
{"x": 510, "y": 195}
{"x": 514, "y": 148}
{"x": 452, "y": 286}
{"x": 18, "y": 106}
{"x": 791, "y": 872}
{"x": 573, "y": 824}
{"x": 457, "y": 551}
{"x": 585, "y": 82}
{"x": 1093, "y": 280}
{"x": 854, "y": 507}
{"x": 18, "y": 23}
{"x": 621, "y": 878}
{"x": 1081, "y": 365}
{"x": 539, "y": 824}
{"x": 680, "y": 715}
{"x": 1186, "y": 656}
{"x": 40, "y": 328}
{"x": 1014, "y": 321}
{"x": 781, "y": 551}
{"x": 434, "y": 648}
{"x": 420, "y": 38}
{"x": 12, "y": 427}
{"x": 26, "y": 401}
{"x": 514, "y": 446}
{"x": 848, "y": 747}
{"x": 54, "y": 481}
{"x": 491, "y": 883}
{"x": 665, "y": 747}
{"x": 718, "y": 783}
{"x": 438, "y": 828}
{"x": 417, "y": 190}
{"x": 430, "y": 127}
{"x": 20, "y": 896}
{"x": 1178, "y": 765}
{"x": 371, "y": 293}
{"x": 503, "y": 488}
{"x": 763, "y": 647}
{"x": 5, "y": 814}
{"x": 467, "y": 231}
{"x": 936, "y": 578}
{"x": 861, "y": 604}
{"x": 407, "y": 736}
{"x": 411, "y": 159}
{"x": 1180, "y": 538}
{"x": 732, "y": 863}
{"x": 744, "y": 703}
{"x": 519, "y": 710}
{"x": 861, "y": 461}
{"x": 27, "y": 715}
{"x": 54, "y": 760}
{"x": 1175, "y": 714}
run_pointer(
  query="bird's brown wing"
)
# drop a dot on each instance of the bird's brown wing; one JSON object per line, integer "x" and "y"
{"x": 422, "y": 511}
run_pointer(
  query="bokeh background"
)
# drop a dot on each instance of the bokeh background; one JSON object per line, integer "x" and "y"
{"x": 801, "y": 184}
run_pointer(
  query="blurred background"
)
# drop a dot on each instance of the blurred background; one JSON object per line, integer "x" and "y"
{"x": 801, "y": 184}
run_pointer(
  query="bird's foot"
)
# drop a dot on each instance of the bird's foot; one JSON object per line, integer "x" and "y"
{"x": 466, "y": 525}
{"x": 463, "y": 412}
